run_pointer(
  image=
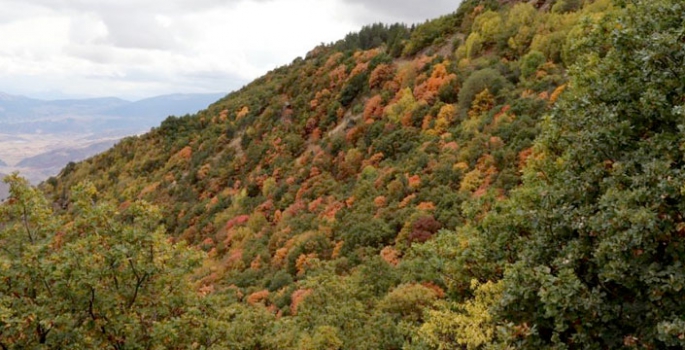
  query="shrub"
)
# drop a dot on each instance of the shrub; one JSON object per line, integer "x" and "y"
{"x": 487, "y": 78}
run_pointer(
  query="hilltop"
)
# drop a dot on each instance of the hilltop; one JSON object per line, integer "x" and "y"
{"x": 505, "y": 176}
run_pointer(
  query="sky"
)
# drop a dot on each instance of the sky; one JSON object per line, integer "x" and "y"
{"x": 134, "y": 49}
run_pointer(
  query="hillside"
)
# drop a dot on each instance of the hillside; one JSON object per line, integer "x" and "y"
{"x": 447, "y": 116}
{"x": 505, "y": 176}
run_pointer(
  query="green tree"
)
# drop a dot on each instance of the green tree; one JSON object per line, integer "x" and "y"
{"x": 598, "y": 223}
{"x": 26, "y": 317}
{"x": 531, "y": 62}
{"x": 521, "y": 24}
{"x": 487, "y": 78}
{"x": 94, "y": 278}
{"x": 489, "y": 25}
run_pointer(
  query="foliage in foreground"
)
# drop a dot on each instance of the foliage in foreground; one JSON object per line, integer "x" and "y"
{"x": 590, "y": 248}
{"x": 100, "y": 277}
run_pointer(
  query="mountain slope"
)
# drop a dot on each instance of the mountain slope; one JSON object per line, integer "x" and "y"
{"x": 392, "y": 195}
{"x": 453, "y": 124}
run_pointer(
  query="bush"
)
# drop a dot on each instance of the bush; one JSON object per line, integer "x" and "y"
{"x": 487, "y": 78}
{"x": 531, "y": 62}
{"x": 279, "y": 280}
{"x": 354, "y": 86}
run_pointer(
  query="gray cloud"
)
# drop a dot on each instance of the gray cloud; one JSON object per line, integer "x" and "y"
{"x": 134, "y": 48}
{"x": 408, "y": 11}
{"x": 129, "y": 23}
{"x": 20, "y": 10}
{"x": 133, "y": 6}
{"x": 137, "y": 30}
{"x": 90, "y": 53}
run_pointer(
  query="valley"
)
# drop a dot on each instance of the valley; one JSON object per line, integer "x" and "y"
{"x": 38, "y": 156}
{"x": 39, "y": 137}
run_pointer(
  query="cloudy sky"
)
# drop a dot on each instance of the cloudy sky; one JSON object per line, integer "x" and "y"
{"x": 140, "y": 48}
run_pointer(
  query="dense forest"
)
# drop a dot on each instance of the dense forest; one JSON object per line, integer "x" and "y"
{"x": 510, "y": 175}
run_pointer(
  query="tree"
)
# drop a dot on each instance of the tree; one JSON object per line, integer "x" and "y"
{"x": 95, "y": 277}
{"x": 487, "y": 78}
{"x": 598, "y": 223}
{"x": 457, "y": 326}
{"x": 405, "y": 105}
{"x": 489, "y": 25}
{"x": 531, "y": 62}
{"x": 354, "y": 87}
{"x": 25, "y": 316}
{"x": 521, "y": 23}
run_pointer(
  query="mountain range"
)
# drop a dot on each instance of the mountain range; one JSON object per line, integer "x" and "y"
{"x": 39, "y": 137}
{"x": 19, "y": 114}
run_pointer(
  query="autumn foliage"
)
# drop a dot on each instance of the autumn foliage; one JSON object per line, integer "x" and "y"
{"x": 337, "y": 198}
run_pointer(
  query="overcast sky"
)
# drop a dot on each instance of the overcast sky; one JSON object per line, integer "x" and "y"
{"x": 140, "y": 48}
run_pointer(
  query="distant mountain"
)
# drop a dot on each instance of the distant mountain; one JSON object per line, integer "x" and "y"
{"x": 18, "y": 109}
{"x": 174, "y": 104}
{"x": 19, "y": 114}
{"x": 39, "y": 137}
{"x": 150, "y": 112}
{"x": 58, "y": 158}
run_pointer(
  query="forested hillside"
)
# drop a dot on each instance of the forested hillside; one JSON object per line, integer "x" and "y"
{"x": 505, "y": 176}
